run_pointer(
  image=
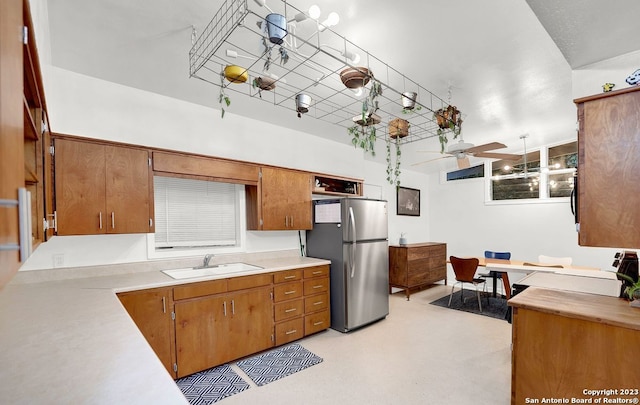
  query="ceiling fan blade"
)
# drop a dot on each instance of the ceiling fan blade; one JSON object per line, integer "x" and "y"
{"x": 486, "y": 146}
{"x": 504, "y": 156}
{"x": 463, "y": 163}
{"x": 430, "y": 160}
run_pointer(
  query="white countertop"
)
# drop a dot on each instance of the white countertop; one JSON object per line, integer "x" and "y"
{"x": 581, "y": 281}
{"x": 71, "y": 341}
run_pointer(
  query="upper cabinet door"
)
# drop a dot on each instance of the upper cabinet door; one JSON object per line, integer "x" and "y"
{"x": 128, "y": 190}
{"x": 80, "y": 188}
{"x": 286, "y": 199}
{"x": 608, "y": 167}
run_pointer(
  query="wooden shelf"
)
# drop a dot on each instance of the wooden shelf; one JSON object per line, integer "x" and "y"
{"x": 337, "y": 186}
{"x": 30, "y": 129}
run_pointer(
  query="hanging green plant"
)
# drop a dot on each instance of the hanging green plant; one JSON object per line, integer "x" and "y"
{"x": 363, "y": 132}
{"x": 223, "y": 99}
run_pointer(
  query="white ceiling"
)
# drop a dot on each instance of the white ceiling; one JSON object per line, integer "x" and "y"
{"x": 507, "y": 62}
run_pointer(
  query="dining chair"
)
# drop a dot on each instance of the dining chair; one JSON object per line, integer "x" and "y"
{"x": 562, "y": 261}
{"x": 465, "y": 270}
{"x": 495, "y": 275}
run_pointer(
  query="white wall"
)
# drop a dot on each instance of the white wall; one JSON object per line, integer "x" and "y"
{"x": 451, "y": 213}
{"x": 89, "y": 107}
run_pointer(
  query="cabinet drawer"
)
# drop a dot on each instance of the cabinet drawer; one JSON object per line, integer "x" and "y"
{"x": 258, "y": 280}
{"x": 316, "y": 303}
{"x": 316, "y": 271}
{"x": 316, "y": 322}
{"x": 426, "y": 252}
{"x": 289, "y": 331}
{"x": 287, "y": 275}
{"x": 288, "y": 309}
{"x": 314, "y": 286}
{"x": 287, "y": 291}
{"x": 199, "y": 289}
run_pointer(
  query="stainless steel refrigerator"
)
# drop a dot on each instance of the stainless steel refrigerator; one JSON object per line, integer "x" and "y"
{"x": 353, "y": 233}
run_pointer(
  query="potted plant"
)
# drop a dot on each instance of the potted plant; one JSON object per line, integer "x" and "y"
{"x": 303, "y": 102}
{"x": 284, "y": 56}
{"x": 263, "y": 83}
{"x": 355, "y": 77}
{"x": 633, "y": 287}
{"x": 409, "y": 100}
{"x": 448, "y": 119}
{"x": 223, "y": 98}
{"x": 276, "y": 27}
{"x": 398, "y": 128}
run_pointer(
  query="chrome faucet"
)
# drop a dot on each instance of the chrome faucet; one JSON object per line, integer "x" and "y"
{"x": 207, "y": 259}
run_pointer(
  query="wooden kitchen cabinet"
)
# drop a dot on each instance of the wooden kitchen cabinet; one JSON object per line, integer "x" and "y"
{"x": 301, "y": 303}
{"x": 102, "y": 188}
{"x": 151, "y": 311}
{"x": 608, "y": 147}
{"x": 567, "y": 342}
{"x": 282, "y": 201}
{"x": 417, "y": 265}
{"x": 213, "y": 329}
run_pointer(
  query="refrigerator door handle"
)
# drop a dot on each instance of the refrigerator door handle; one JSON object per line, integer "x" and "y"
{"x": 352, "y": 219}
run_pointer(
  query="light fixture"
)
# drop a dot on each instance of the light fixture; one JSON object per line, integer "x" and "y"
{"x": 332, "y": 20}
{"x": 263, "y": 3}
{"x": 314, "y": 12}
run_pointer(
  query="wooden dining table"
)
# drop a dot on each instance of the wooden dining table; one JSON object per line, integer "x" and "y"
{"x": 518, "y": 266}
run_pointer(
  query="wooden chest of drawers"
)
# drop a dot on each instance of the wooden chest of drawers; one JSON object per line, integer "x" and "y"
{"x": 417, "y": 265}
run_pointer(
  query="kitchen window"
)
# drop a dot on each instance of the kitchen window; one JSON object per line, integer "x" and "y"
{"x": 194, "y": 216}
{"x": 536, "y": 182}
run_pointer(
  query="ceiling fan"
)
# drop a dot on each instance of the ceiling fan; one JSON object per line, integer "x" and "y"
{"x": 462, "y": 150}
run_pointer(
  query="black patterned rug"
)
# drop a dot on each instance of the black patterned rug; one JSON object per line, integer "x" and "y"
{"x": 492, "y": 307}
{"x": 212, "y": 385}
{"x": 278, "y": 363}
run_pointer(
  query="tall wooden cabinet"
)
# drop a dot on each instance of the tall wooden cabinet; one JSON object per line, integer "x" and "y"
{"x": 23, "y": 137}
{"x": 151, "y": 311}
{"x": 608, "y": 167}
{"x": 417, "y": 265}
{"x": 102, "y": 189}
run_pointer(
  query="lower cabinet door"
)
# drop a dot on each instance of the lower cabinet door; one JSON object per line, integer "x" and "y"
{"x": 201, "y": 327}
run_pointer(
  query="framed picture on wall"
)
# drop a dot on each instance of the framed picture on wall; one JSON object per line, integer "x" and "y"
{"x": 408, "y": 201}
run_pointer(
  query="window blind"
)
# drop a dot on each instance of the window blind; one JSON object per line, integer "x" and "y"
{"x": 194, "y": 213}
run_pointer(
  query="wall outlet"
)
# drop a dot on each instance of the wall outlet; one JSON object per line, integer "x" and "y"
{"x": 58, "y": 260}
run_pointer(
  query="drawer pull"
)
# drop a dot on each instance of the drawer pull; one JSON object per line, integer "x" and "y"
{"x": 290, "y": 292}
{"x": 290, "y": 310}
{"x": 318, "y": 303}
{"x": 317, "y": 286}
{"x": 318, "y": 323}
{"x": 317, "y": 272}
{"x": 290, "y": 332}
{"x": 289, "y": 277}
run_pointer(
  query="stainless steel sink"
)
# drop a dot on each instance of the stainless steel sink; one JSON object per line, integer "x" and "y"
{"x": 220, "y": 269}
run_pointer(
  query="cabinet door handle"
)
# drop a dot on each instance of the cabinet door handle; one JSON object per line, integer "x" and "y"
{"x": 164, "y": 305}
{"x": 113, "y": 220}
{"x": 224, "y": 308}
{"x": 317, "y": 272}
{"x": 318, "y": 323}
{"x": 317, "y": 286}
{"x": 233, "y": 307}
{"x": 100, "y": 219}
{"x": 318, "y": 303}
{"x": 289, "y": 277}
{"x": 286, "y": 311}
{"x": 290, "y": 332}
{"x": 289, "y": 292}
